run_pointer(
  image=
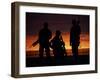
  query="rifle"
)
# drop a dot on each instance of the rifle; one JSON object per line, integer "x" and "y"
{"x": 34, "y": 43}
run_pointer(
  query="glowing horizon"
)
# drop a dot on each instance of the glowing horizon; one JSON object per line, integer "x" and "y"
{"x": 84, "y": 41}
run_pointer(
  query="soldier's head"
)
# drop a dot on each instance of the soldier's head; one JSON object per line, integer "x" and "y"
{"x": 58, "y": 33}
{"x": 45, "y": 25}
{"x": 78, "y": 22}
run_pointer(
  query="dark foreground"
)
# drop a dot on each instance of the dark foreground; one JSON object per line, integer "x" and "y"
{"x": 37, "y": 62}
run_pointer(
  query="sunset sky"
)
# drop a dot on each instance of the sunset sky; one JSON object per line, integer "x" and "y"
{"x": 62, "y": 22}
{"x": 84, "y": 41}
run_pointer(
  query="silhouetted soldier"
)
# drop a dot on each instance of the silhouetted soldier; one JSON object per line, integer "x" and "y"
{"x": 58, "y": 46}
{"x": 44, "y": 37}
{"x": 75, "y": 38}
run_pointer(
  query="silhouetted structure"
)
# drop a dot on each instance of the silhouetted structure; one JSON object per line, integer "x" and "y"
{"x": 58, "y": 46}
{"x": 75, "y": 38}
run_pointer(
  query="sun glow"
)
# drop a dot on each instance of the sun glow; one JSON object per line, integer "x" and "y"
{"x": 84, "y": 41}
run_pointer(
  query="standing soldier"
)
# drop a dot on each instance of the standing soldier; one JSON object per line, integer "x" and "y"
{"x": 75, "y": 38}
{"x": 43, "y": 39}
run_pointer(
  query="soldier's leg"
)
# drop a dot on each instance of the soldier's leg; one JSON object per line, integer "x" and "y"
{"x": 74, "y": 51}
{"x": 47, "y": 50}
{"x": 41, "y": 50}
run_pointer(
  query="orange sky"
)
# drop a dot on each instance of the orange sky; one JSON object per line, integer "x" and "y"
{"x": 84, "y": 41}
